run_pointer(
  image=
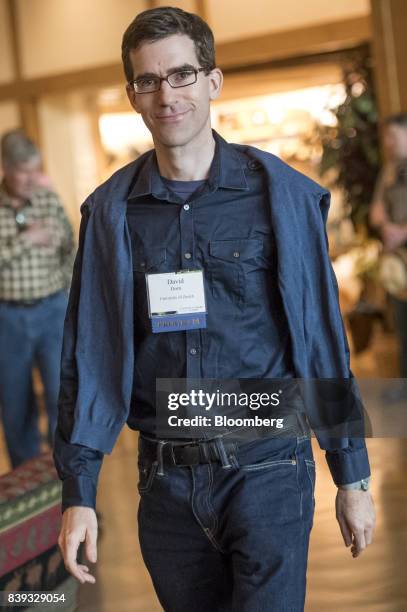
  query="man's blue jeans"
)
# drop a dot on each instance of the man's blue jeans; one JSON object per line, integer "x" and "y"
{"x": 29, "y": 336}
{"x": 235, "y": 539}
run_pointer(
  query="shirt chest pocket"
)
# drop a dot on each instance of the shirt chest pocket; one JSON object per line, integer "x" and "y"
{"x": 237, "y": 268}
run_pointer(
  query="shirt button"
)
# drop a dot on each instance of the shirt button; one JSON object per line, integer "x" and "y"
{"x": 193, "y": 351}
{"x": 253, "y": 164}
{"x": 236, "y": 254}
{"x": 186, "y": 206}
{"x": 187, "y": 255}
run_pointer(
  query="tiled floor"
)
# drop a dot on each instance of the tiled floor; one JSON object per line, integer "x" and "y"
{"x": 375, "y": 582}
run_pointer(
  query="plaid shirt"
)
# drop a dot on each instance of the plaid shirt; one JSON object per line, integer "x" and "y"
{"x": 33, "y": 272}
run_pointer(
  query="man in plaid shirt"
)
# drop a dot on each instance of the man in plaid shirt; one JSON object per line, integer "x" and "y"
{"x": 36, "y": 259}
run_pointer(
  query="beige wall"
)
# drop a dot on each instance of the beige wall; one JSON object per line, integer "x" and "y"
{"x": 231, "y": 19}
{"x": 62, "y": 35}
{"x": 9, "y": 116}
{"x": 6, "y": 57}
{"x": 186, "y": 5}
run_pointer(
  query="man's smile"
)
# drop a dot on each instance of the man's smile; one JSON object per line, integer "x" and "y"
{"x": 172, "y": 117}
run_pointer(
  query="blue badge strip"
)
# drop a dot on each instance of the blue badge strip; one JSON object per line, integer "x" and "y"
{"x": 177, "y": 322}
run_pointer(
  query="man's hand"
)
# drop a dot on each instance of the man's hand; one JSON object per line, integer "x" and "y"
{"x": 355, "y": 514}
{"x": 79, "y": 524}
{"x": 38, "y": 234}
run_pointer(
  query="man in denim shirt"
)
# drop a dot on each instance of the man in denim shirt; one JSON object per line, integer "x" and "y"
{"x": 222, "y": 526}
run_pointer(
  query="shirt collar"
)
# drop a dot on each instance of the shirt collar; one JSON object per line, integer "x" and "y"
{"x": 226, "y": 171}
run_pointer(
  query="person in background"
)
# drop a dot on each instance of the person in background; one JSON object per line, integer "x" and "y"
{"x": 36, "y": 260}
{"x": 388, "y": 215}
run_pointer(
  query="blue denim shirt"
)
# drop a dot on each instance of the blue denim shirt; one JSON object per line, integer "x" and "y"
{"x": 148, "y": 229}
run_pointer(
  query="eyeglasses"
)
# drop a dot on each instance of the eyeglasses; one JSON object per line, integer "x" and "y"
{"x": 180, "y": 78}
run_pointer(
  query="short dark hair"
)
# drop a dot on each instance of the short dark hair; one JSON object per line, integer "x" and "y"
{"x": 155, "y": 24}
{"x": 17, "y": 148}
{"x": 397, "y": 119}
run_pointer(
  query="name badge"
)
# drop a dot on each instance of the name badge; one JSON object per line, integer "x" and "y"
{"x": 176, "y": 300}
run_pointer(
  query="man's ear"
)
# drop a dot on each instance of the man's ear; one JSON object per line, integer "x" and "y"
{"x": 131, "y": 94}
{"x": 215, "y": 83}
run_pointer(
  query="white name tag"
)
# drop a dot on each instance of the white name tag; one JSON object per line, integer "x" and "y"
{"x": 176, "y": 300}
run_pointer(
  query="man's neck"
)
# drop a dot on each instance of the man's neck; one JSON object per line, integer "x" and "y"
{"x": 189, "y": 162}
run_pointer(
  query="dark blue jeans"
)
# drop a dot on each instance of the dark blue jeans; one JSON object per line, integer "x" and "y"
{"x": 235, "y": 539}
{"x": 29, "y": 336}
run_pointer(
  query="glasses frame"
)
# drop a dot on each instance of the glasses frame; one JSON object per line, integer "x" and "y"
{"x": 195, "y": 70}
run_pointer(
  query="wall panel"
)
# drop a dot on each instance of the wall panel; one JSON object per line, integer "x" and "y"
{"x": 186, "y": 5}
{"x": 64, "y": 35}
{"x": 6, "y": 56}
{"x": 68, "y": 148}
{"x": 9, "y": 116}
{"x": 242, "y": 19}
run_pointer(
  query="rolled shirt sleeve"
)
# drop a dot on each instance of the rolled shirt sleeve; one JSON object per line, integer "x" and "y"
{"x": 78, "y": 468}
{"x": 350, "y": 464}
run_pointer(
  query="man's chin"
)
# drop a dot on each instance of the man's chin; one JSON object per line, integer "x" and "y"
{"x": 177, "y": 136}
{"x": 176, "y": 139}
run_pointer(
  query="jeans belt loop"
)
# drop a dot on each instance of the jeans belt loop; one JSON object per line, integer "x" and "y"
{"x": 205, "y": 451}
{"x": 222, "y": 453}
{"x": 160, "y": 459}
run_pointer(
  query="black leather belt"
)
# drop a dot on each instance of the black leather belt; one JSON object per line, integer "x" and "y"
{"x": 186, "y": 453}
{"x": 205, "y": 452}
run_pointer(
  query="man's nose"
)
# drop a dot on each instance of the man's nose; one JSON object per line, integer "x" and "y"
{"x": 166, "y": 94}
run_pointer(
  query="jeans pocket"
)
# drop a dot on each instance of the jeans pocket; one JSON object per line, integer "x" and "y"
{"x": 146, "y": 476}
{"x": 262, "y": 465}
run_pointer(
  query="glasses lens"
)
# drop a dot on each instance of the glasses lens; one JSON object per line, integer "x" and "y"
{"x": 179, "y": 79}
{"x": 146, "y": 85}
